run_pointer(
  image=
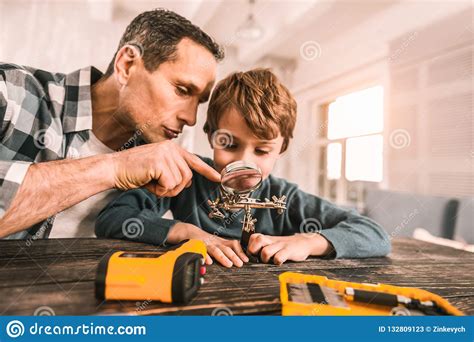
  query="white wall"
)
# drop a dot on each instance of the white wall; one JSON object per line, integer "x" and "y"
{"x": 58, "y": 36}
{"x": 354, "y": 61}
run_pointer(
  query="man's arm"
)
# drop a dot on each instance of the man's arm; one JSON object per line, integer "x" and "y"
{"x": 31, "y": 192}
{"x": 50, "y": 187}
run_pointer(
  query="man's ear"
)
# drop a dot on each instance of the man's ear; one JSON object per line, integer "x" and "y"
{"x": 126, "y": 58}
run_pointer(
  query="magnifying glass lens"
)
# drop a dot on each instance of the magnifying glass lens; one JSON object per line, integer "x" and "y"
{"x": 241, "y": 177}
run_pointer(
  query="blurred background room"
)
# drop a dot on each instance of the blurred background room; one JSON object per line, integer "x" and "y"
{"x": 384, "y": 91}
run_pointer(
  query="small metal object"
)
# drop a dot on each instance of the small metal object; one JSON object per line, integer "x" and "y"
{"x": 238, "y": 181}
{"x": 403, "y": 311}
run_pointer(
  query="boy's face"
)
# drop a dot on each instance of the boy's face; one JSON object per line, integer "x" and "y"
{"x": 245, "y": 145}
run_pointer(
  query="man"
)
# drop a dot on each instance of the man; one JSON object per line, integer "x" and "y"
{"x": 59, "y": 132}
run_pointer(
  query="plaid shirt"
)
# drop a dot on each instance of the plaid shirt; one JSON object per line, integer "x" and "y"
{"x": 44, "y": 116}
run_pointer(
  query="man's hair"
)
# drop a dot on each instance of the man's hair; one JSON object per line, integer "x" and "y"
{"x": 156, "y": 33}
{"x": 266, "y": 105}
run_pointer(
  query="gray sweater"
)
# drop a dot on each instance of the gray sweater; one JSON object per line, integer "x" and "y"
{"x": 352, "y": 235}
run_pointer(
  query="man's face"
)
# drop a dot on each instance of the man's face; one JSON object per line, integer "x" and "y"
{"x": 161, "y": 102}
{"x": 245, "y": 145}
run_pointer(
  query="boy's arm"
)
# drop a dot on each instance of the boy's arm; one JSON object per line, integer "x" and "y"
{"x": 135, "y": 215}
{"x": 351, "y": 234}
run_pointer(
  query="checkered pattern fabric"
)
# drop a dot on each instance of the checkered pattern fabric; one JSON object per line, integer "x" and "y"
{"x": 44, "y": 116}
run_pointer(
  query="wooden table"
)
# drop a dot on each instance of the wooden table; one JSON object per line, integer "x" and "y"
{"x": 60, "y": 273}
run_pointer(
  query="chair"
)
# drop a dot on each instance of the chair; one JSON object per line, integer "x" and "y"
{"x": 400, "y": 213}
{"x": 463, "y": 230}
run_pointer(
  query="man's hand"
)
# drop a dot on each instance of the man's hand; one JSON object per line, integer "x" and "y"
{"x": 283, "y": 248}
{"x": 226, "y": 252}
{"x": 50, "y": 187}
{"x": 163, "y": 168}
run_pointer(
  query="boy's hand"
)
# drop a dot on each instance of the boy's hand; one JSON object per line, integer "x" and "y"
{"x": 226, "y": 252}
{"x": 283, "y": 248}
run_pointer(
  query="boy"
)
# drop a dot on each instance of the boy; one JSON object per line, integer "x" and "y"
{"x": 251, "y": 117}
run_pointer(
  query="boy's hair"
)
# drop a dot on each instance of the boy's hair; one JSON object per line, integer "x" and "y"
{"x": 266, "y": 105}
{"x": 156, "y": 33}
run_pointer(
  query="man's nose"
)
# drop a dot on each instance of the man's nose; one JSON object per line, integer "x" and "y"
{"x": 188, "y": 115}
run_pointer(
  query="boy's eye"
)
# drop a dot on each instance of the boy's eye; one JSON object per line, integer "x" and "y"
{"x": 262, "y": 151}
{"x": 231, "y": 147}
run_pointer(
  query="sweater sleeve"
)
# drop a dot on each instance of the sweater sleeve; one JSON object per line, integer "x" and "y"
{"x": 135, "y": 215}
{"x": 351, "y": 234}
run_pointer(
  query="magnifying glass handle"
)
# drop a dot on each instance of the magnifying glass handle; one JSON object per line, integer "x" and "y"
{"x": 244, "y": 240}
{"x": 255, "y": 259}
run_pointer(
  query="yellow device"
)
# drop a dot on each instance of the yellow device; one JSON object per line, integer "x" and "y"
{"x": 174, "y": 276}
{"x": 312, "y": 295}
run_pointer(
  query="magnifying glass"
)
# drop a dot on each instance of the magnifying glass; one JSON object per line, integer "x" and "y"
{"x": 241, "y": 178}
{"x": 238, "y": 180}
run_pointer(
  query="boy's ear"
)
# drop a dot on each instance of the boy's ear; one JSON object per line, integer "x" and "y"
{"x": 209, "y": 138}
{"x": 284, "y": 147}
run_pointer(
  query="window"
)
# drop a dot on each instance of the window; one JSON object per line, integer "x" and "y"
{"x": 364, "y": 158}
{"x": 355, "y": 142}
{"x": 334, "y": 156}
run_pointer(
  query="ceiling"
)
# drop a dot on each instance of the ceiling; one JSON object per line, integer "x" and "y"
{"x": 287, "y": 24}
{"x": 344, "y": 29}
